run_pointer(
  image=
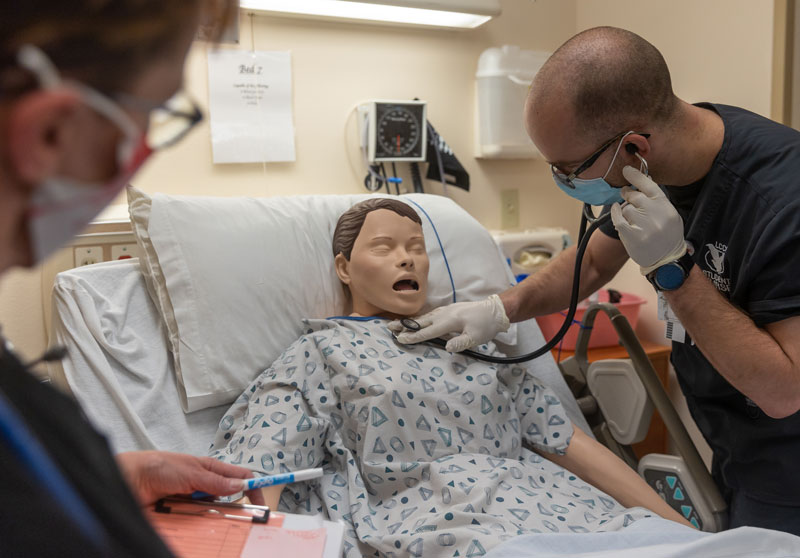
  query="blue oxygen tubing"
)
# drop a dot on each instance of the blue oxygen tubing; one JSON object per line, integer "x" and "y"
{"x": 441, "y": 247}
{"x": 15, "y": 434}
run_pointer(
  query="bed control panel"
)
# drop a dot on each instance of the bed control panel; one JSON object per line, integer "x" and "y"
{"x": 672, "y": 490}
{"x": 669, "y": 477}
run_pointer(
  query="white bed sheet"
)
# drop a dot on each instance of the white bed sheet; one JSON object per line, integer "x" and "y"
{"x": 653, "y": 538}
{"x": 119, "y": 367}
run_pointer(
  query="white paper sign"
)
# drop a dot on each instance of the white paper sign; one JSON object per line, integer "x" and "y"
{"x": 250, "y": 104}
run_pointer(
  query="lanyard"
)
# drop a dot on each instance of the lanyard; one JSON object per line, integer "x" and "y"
{"x": 16, "y": 435}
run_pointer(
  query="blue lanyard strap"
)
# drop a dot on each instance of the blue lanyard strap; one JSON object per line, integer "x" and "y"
{"x": 18, "y": 437}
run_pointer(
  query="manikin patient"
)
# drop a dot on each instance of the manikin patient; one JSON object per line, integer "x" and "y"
{"x": 425, "y": 453}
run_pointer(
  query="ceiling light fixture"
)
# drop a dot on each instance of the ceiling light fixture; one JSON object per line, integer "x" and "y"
{"x": 462, "y": 14}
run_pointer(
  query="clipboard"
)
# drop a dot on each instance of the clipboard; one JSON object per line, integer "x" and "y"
{"x": 212, "y": 529}
{"x": 207, "y": 529}
{"x": 214, "y": 510}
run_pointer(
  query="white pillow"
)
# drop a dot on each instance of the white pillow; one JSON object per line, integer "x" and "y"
{"x": 232, "y": 277}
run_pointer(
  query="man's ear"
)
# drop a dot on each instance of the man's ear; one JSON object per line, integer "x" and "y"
{"x": 37, "y": 137}
{"x": 342, "y": 267}
{"x": 637, "y": 143}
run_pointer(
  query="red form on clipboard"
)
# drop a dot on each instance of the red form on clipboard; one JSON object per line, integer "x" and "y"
{"x": 269, "y": 541}
{"x": 197, "y": 537}
{"x": 198, "y": 530}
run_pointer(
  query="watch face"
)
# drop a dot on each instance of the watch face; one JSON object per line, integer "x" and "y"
{"x": 670, "y": 276}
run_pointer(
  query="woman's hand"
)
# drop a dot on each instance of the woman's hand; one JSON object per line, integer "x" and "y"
{"x": 154, "y": 474}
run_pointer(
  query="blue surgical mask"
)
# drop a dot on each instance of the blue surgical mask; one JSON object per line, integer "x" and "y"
{"x": 595, "y": 191}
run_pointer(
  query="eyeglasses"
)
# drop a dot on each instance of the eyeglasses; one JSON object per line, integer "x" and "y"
{"x": 567, "y": 178}
{"x": 168, "y": 122}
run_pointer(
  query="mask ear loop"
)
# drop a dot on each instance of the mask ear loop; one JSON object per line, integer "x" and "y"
{"x": 34, "y": 60}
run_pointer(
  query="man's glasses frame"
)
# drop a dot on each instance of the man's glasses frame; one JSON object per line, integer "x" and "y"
{"x": 567, "y": 178}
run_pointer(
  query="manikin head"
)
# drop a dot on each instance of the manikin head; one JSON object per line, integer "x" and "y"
{"x": 79, "y": 82}
{"x": 379, "y": 254}
{"x": 597, "y": 86}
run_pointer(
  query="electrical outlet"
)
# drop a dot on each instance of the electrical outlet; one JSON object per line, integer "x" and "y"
{"x": 87, "y": 255}
{"x": 123, "y": 251}
{"x": 509, "y": 209}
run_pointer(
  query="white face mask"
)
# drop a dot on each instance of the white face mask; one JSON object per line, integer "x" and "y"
{"x": 61, "y": 207}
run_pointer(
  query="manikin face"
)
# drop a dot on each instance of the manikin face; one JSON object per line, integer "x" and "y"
{"x": 388, "y": 269}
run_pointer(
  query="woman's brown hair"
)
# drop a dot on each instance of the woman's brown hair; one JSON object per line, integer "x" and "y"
{"x": 103, "y": 43}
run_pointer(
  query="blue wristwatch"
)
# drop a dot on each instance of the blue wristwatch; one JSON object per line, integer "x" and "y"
{"x": 671, "y": 275}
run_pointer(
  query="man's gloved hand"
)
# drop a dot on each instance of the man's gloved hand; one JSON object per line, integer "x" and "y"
{"x": 649, "y": 226}
{"x": 475, "y": 322}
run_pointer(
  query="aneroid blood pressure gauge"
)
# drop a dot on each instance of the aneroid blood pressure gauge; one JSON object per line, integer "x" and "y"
{"x": 394, "y": 130}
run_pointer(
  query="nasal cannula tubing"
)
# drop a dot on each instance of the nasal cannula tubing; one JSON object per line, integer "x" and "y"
{"x": 584, "y": 235}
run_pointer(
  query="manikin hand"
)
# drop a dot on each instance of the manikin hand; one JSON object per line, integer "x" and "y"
{"x": 474, "y": 322}
{"x": 649, "y": 225}
{"x": 154, "y": 474}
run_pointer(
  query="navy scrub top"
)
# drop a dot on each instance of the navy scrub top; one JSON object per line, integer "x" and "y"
{"x": 31, "y": 522}
{"x": 743, "y": 222}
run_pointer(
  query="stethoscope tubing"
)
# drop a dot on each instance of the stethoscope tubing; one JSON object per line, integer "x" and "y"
{"x": 583, "y": 241}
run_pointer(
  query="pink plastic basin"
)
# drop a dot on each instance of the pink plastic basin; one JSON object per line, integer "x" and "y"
{"x": 603, "y": 333}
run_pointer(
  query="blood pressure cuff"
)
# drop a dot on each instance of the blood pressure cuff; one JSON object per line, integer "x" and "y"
{"x": 454, "y": 173}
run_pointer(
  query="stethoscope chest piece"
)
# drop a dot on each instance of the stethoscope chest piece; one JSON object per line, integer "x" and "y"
{"x": 410, "y": 324}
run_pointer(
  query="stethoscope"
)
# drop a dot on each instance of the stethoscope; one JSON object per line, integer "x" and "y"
{"x": 587, "y": 218}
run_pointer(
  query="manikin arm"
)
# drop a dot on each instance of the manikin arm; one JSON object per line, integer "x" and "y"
{"x": 597, "y": 465}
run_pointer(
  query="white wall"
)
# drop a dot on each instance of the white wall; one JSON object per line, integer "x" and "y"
{"x": 337, "y": 65}
{"x": 22, "y": 312}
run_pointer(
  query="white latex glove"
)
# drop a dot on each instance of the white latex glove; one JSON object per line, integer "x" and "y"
{"x": 649, "y": 225}
{"x": 475, "y": 322}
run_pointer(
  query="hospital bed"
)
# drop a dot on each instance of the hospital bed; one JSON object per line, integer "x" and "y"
{"x": 159, "y": 346}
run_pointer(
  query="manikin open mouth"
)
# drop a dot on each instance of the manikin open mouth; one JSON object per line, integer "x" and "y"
{"x": 406, "y": 285}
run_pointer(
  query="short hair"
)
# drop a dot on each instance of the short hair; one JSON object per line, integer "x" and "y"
{"x": 103, "y": 43}
{"x": 349, "y": 225}
{"x": 614, "y": 79}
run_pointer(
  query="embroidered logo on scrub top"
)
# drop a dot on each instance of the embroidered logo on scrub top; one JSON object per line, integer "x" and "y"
{"x": 715, "y": 260}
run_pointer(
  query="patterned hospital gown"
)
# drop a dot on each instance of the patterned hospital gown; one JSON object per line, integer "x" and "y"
{"x": 422, "y": 449}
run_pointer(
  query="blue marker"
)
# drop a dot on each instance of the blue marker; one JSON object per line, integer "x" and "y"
{"x": 286, "y": 478}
